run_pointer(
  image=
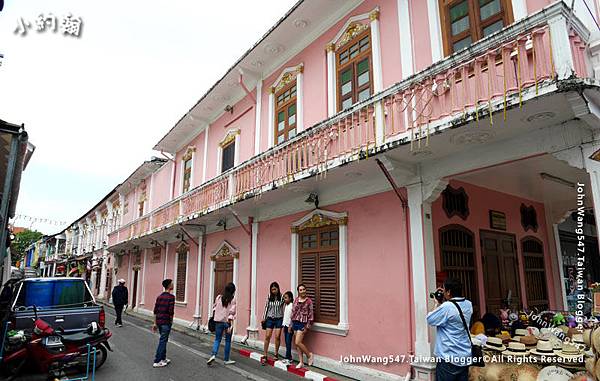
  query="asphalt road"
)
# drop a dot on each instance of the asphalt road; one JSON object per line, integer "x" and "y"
{"x": 134, "y": 346}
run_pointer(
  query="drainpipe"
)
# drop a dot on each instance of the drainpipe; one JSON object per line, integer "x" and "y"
{"x": 241, "y": 82}
{"x": 404, "y": 204}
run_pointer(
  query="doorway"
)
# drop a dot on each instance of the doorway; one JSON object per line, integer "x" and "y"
{"x": 223, "y": 273}
{"x": 500, "y": 271}
{"x": 134, "y": 286}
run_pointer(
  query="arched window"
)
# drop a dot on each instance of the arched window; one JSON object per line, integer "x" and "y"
{"x": 457, "y": 252}
{"x": 535, "y": 273}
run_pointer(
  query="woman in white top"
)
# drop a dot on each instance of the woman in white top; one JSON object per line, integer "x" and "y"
{"x": 288, "y": 334}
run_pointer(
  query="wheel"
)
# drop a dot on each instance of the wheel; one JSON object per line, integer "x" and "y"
{"x": 101, "y": 355}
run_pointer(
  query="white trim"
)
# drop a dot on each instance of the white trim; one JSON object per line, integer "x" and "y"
{"x": 197, "y": 311}
{"x": 405, "y": 31}
{"x": 172, "y": 184}
{"x": 290, "y": 69}
{"x": 331, "y": 85}
{"x": 150, "y": 194}
{"x": 561, "y": 271}
{"x": 519, "y": 8}
{"x": 257, "y": 119}
{"x": 166, "y": 260}
{"x": 187, "y": 263}
{"x": 300, "y": 102}
{"x": 211, "y": 290}
{"x": 435, "y": 31}
{"x": 253, "y": 321}
{"x": 376, "y": 53}
{"x": 343, "y": 326}
{"x": 236, "y": 148}
{"x": 236, "y": 155}
{"x": 419, "y": 270}
{"x": 191, "y": 169}
{"x": 204, "y": 166}
{"x": 271, "y": 121}
{"x": 561, "y": 47}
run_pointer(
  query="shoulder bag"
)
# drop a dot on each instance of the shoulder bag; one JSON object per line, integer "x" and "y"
{"x": 476, "y": 351}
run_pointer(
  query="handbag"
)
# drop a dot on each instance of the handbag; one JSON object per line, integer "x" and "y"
{"x": 476, "y": 351}
{"x": 212, "y": 326}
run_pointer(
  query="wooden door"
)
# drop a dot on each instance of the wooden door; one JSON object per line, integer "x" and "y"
{"x": 134, "y": 291}
{"x": 223, "y": 274}
{"x": 500, "y": 270}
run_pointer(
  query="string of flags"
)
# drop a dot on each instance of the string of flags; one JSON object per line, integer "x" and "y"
{"x": 41, "y": 220}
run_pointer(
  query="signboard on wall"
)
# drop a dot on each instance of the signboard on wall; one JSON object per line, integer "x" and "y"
{"x": 497, "y": 220}
{"x": 156, "y": 253}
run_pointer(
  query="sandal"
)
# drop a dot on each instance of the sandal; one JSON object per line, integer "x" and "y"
{"x": 310, "y": 359}
{"x": 276, "y": 357}
{"x": 263, "y": 361}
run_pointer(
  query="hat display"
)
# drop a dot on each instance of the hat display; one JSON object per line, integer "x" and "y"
{"x": 494, "y": 344}
{"x": 570, "y": 352}
{"x": 587, "y": 337}
{"x": 534, "y": 331}
{"x": 505, "y": 336}
{"x": 577, "y": 338}
{"x": 543, "y": 348}
{"x": 527, "y": 372}
{"x": 521, "y": 332}
{"x": 590, "y": 364}
{"x": 516, "y": 349}
{"x": 554, "y": 373}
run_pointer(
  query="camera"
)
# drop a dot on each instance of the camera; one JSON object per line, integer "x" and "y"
{"x": 437, "y": 295}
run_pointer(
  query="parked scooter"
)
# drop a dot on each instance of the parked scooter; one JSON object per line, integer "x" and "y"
{"x": 51, "y": 352}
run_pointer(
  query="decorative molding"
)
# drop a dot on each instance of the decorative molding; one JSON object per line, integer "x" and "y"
{"x": 230, "y": 137}
{"x": 353, "y": 30}
{"x": 352, "y": 27}
{"x": 330, "y": 47}
{"x": 189, "y": 153}
{"x": 225, "y": 249}
{"x": 374, "y": 14}
{"x": 286, "y": 77}
{"x": 319, "y": 218}
{"x": 182, "y": 248}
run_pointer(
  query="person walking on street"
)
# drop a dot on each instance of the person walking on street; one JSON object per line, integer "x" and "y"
{"x": 164, "y": 309}
{"x": 452, "y": 342}
{"x": 224, "y": 311}
{"x": 302, "y": 319}
{"x": 288, "y": 334}
{"x": 120, "y": 297}
{"x": 272, "y": 320}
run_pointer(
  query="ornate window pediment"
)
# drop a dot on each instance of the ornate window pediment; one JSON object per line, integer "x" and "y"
{"x": 225, "y": 249}
{"x": 287, "y": 76}
{"x": 319, "y": 218}
{"x": 230, "y": 137}
{"x": 188, "y": 153}
{"x": 353, "y": 27}
{"x": 182, "y": 248}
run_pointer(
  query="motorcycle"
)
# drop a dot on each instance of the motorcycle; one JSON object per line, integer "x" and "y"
{"x": 51, "y": 352}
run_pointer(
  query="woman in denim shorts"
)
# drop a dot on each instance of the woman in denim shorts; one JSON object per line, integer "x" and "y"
{"x": 272, "y": 320}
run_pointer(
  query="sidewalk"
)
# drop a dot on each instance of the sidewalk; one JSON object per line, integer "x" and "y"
{"x": 313, "y": 373}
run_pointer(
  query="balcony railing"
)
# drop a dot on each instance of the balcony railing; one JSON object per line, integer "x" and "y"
{"x": 520, "y": 59}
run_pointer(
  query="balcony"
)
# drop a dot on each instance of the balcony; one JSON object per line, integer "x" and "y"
{"x": 526, "y": 60}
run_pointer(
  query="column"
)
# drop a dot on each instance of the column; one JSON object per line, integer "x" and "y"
{"x": 331, "y": 85}
{"x": 406, "y": 47}
{"x": 211, "y": 289}
{"x": 561, "y": 47}
{"x": 271, "y": 121}
{"x": 142, "y": 285}
{"x": 253, "y": 321}
{"x": 299, "y": 99}
{"x": 422, "y": 276}
{"x": 377, "y": 76}
{"x": 257, "y": 117}
{"x": 519, "y": 9}
{"x": 103, "y": 275}
{"x": 197, "y": 312}
{"x": 205, "y": 159}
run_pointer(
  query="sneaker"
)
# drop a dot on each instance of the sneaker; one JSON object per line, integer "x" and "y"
{"x": 229, "y": 362}
{"x": 168, "y": 361}
{"x": 160, "y": 364}
{"x": 210, "y": 360}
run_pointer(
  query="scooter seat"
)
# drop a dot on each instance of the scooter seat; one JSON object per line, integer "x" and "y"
{"x": 80, "y": 336}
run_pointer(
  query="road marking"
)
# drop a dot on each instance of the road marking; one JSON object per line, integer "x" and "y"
{"x": 233, "y": 368}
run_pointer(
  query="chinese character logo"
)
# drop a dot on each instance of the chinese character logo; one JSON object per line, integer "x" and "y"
{"x": 68, "y": 24}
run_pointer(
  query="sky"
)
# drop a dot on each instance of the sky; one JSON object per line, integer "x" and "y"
{"x": 95, "y": 105}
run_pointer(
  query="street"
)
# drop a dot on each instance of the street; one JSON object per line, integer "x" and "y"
{"x": 134, "y": 345}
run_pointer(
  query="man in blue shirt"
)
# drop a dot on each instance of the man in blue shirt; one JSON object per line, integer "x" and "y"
{"x": 452, "y": 343}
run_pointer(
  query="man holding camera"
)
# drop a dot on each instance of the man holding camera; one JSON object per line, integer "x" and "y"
{"x": 452, "y": 343}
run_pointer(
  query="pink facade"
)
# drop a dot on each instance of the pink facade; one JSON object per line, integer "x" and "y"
{"x": 387, "y": 267}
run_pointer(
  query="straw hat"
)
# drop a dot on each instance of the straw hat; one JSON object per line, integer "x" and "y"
{"x": 544, "y": 348}
{"x": 582, "y": 376}
{"x": 520, "y": 332}
{"x": 590, "y": 364}
{"x": 554, "y": 373}
{"x": 597, "y": 370}
{"x": 527, "y": 372}
{"x": 587, "y": 337}
{"x": 121, "y": 280}
{"x": 529, "y": 341}
{"x": 534, "y": 331}
{"x": 477, "y": 373}
{"x": 516, "y": 349}
{"x": 577, "y": 338}
{"x": 596, "y": 340}
{"x": 494, "y": 344}
{"x": 492, "y": 371}
{"x": 509, "y": 372}
{"x": 570, "y": 352}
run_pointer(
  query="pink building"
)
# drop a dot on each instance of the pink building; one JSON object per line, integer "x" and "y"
{"x": 439, "y": 138}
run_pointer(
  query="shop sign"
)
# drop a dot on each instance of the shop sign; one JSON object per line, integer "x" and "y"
{"x": 497, "y": 220}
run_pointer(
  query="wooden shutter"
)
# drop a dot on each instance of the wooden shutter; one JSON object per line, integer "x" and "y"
{"x": 319, "y": 271}
{"x": 535, "y": 273}
{"x": 181, "y": 275}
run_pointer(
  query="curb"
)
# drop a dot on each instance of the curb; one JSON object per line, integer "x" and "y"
{"x": 302, "y": 372}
